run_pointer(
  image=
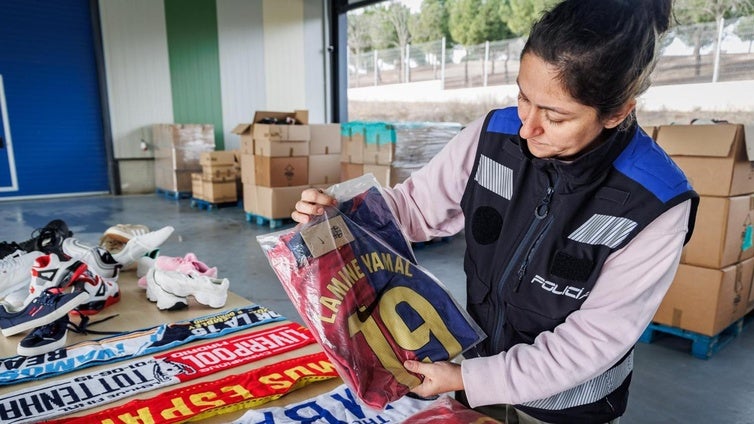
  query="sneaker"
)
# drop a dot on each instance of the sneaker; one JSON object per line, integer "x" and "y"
{"x": 50, "y": 272}
{"x": 45, "y": 339}
{"x": 10, "y": 249}
{"x": 164, "y": 300}
{"x": 47, "y": 239}
{"x": 102, "y": 294}
{"x": 99, "y": 260}
{"x": 209, "y": 291}
{"x": 124, "y": 232}
{"x": 143, "y": 265}
{"x": 189, "y": 264}
{"x": 44, "y": 309}
{"x": 15, "y": 272}
{"x": 140, "y": 245}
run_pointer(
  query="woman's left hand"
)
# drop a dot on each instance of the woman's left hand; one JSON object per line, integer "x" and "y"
{"x": 439, "y": 377}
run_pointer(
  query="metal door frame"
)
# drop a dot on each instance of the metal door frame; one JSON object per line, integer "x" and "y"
{"x": 8, "y": 142}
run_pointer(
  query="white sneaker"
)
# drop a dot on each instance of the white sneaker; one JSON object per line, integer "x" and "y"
{"x": 15, "y": 271}
{"x": 99, "y": 260}
{"x": 164, "y": 300}
{"x": 124, "y": 232}
{"x": 209, "y": 291}
{"x": 143, "y": 265}
{"x": 142, "y": 244}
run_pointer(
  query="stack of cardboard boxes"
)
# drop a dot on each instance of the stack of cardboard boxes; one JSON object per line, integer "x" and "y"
{"x": 217, "y": 181}
{"x": 712, "y": 288}
{"x": 177, "y": 148}
{"x": 281, "y": 155}
{"x": 368, "y": 147}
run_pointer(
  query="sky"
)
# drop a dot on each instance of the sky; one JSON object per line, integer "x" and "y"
{"x": 414, "y": 5}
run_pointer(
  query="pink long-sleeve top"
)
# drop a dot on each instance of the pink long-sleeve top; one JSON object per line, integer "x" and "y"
{"x": 629, "y": 290}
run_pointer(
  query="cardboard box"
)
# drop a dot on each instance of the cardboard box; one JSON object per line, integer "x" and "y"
{"x": 352, "y": 149}
{"x": 281, "y": 171}
{"x": 277, "y": 202}
{"x": 720, "y": 233}
{"x": 325, "y": 139}
{"x": 277, "y": 140}
{"x": 170, "y": 179}
{"x": 350, "y": 171}
{"x": 713, "y": 157}
{"x": 219, "y": 192}
{"x": 379, "y": 154}
{"x": 247, "y": 137}
{"x": 183, "y": 158}
{"x": 218, "y": 158}
{"x": 183, "y": 136}
{"x": 381, "y": 172}
{"x": 247, "y": 169}
{"x": 197, "y": 190}
{"x": 706, "y": 300}
{"x": 324, "y": 169}
{"x": 219, "y": 173}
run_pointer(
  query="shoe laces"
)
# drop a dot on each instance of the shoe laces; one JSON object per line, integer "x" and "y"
{"x": 83, "y": 326}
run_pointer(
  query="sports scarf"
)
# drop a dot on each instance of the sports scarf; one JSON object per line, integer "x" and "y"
{"x": 102, "y": 386}
{"x": 133, "y": 344}
{"x": 338, "y": 406}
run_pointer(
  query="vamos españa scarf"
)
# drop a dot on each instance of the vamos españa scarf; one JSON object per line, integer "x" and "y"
{"x": 18, "y": 369}
{"x": 240, "y": 391}
{"x": 337, "y": 406}
{"x": 103, "y": 386}
{"x": 369, "y": 307}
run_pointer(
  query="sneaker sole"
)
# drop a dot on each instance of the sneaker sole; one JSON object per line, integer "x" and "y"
{"x": 175, "y": 303}
{"x": 46, "y": 319}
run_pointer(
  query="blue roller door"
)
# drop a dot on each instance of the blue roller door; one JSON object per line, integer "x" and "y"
{"x": 49, "y": 76}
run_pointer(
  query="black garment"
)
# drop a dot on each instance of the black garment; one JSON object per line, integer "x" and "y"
{"x": 540, "y": 230}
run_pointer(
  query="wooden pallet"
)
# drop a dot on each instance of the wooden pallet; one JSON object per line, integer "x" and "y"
{"x": 702, "y": 346}
{"x": 434, "y": 241}
{"x": 210, "y": 206}
{"x": 173, "y": 195}
{"x": 263, "y": 221}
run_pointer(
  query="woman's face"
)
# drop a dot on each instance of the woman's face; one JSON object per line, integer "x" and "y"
{"x": 555, "y": 125}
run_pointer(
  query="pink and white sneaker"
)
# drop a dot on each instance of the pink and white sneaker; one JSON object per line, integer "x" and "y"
{"x": 188, "y": 264}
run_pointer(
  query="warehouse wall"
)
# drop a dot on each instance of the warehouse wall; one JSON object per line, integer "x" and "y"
{"x": 206, "y": 61}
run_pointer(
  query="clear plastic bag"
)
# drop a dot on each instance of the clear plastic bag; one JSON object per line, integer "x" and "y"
{"x": 353, "y": 278}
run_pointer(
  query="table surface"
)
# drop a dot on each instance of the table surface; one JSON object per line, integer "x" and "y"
{"x": 135, "y": 312}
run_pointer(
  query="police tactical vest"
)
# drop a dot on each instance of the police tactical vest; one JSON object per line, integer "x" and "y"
{"x": 538, "y": 232}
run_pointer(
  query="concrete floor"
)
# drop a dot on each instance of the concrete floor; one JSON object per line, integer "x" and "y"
{"x": 669, "y": 385}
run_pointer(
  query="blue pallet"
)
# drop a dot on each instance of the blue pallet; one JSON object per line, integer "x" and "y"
{"x": 434, "y": 241}
{"x": 209, "y": 206}
{"x": 173, "y": 195}
{"x": 263, "y": 221}
{"x": 702, "y": 346}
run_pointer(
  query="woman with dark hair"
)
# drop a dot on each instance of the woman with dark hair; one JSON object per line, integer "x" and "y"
{"x": 574, "y": 221}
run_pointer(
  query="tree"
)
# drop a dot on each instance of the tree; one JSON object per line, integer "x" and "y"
{"x": 431, "y": 23}
{"x": 520, "y": 15}
{"x": 398, "y": 16}
{"x": 745, "y": 29}
{"x": 359, "y": 40}
{"x": 473, "y": 22}
{"x": 701, "y": 11}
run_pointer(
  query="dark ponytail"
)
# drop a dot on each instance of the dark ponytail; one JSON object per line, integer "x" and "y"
{"x": 604, "y": 50}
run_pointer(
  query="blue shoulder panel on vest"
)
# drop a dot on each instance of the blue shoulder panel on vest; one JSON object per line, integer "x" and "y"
{"x": 505, "y": 121}
{"x": 646, "y": 163}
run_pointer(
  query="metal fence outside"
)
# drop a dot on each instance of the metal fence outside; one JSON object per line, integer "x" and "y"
{"x": 689, "y": 54}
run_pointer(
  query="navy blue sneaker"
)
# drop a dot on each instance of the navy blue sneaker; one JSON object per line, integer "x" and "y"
{"x": 48, "y": 307}
{"x": 45, "y": 339}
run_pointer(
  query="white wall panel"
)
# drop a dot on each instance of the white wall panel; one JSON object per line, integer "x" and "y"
{"x": 138, "y": 72}
{"x": 242, "y": 73}
{"x": 314, "y": 57}
{"x": 284, "y": 54}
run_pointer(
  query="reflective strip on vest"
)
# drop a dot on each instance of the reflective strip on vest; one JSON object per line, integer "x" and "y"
{"x": 591, "y": 391}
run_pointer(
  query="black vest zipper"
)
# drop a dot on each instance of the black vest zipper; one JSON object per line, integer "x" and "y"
{"x": 540, "y": 212}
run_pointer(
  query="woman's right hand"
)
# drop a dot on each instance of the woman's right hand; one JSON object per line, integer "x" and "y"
{"x": 311, "y": 204}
